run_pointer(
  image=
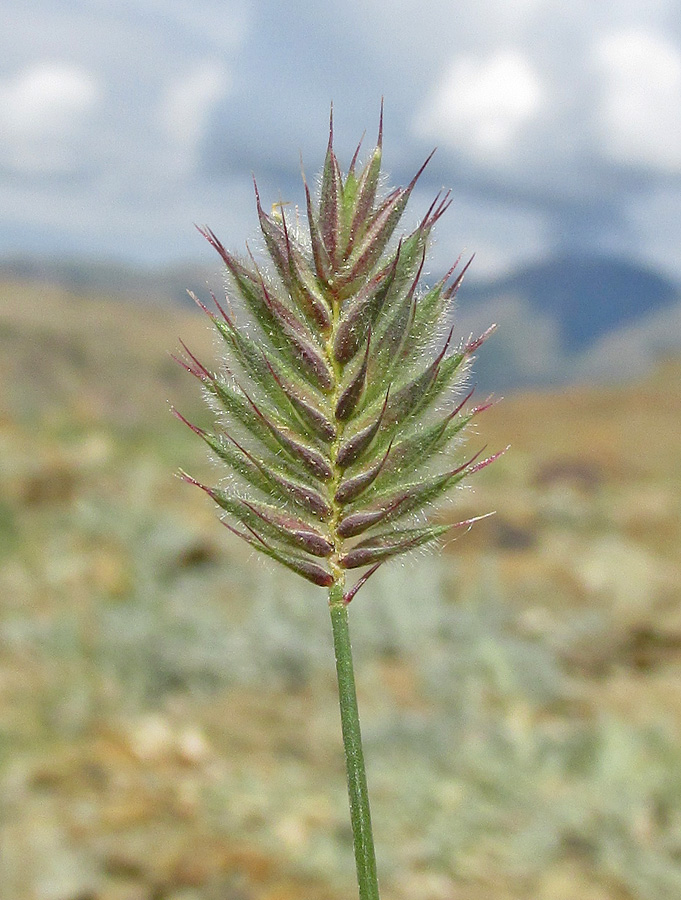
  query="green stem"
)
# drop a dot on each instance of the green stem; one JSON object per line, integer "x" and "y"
{"x": 360, "y": 816}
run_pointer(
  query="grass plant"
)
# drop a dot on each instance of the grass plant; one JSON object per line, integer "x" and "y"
{"x": 338, "y": 402}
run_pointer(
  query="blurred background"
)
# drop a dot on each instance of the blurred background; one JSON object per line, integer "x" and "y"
{"x": 168, "y": 723}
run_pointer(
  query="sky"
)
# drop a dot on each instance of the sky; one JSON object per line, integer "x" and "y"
{"x": 558, "y": 125}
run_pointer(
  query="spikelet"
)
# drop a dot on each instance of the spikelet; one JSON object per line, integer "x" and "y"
{"x": 340, "y": 395}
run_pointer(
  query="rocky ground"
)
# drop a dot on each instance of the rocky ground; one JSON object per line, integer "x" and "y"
{"x": 168, "y": 728}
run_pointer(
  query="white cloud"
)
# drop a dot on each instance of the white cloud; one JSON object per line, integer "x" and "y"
{"x": 185, "y": 110}
{"x": 537, "y": 107}
{"x": 481, "y": 104}
{"x": 500, "y": 237}
{"x": 42, "y": 111}
{"x": 640, "y": 106}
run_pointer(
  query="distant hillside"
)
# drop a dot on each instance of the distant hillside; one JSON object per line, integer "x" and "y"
{"x": 587, "y": 296}
{"x": 561, "y": 320}
{"x": 108, "y": 278}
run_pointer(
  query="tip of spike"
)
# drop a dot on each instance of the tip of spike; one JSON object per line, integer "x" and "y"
{"x": 330, "y": 147}
{"x": 189, "y": 479}
{"x": 487, "y": 404}
{"x": 467, "y": 523}
{"x": 257, "y": 193}
{"x": 199, "y": 303}
{"x": 195, "y": 428}
{"x": 451, "y": 291}
{"x": 416, "y": 177}
{"x": 468, "y": 466}
{"x": 486, "y": 462}
{"x": 437, "y": 209}
{"x": 353, "y": 161}
{"x": 474, "y": 343}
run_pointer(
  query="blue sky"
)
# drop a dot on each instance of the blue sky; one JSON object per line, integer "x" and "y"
{"x": 558, "y": 125}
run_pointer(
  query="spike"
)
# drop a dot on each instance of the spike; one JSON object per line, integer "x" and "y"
{"x": 224, "y": 315}
{"x": 382, "y": 547}
{"x": 380, "y": 229}
{"x": 460, "y": 406}
{"x": 394, "y": 337}
{"x": 310, "y": 458}
{"x": 202, "y": 306}
{"x": 434, "y": 213}
{"x": 301, "y": 494}
{"x": 200, "y": 368}
{"x": 417, "y": 494}
{"x": 319, "y": 251}
{"x": 412, "y": 184}
{"x": 349, "y": 595}
{"x": 349, "y": 399}
{"x": 329, "y": 206}
{"x": 353, "y": 448}
{"x": 363, "y": 310}
{"x": 351, "y": 488}
{"x": 292, "y": 529}
{"x": 488, "y": 404}
{"x": 303, "y": 567}
{"x": 191, "y": 480}
{"x": 292, "y": 266}
{"x": 409, "y": 397}
{"x": 297, "y": 334}
{"x": 357, "y": 522}
{"x": 305, "y": 408}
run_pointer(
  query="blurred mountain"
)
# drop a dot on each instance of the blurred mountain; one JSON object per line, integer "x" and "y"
{"x": 587, "y": 296}
{"x": 571, "y": 319}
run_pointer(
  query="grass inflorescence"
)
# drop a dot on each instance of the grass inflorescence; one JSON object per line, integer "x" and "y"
{"x": 337, "y": 404}
{"x": 340, "y": 396}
